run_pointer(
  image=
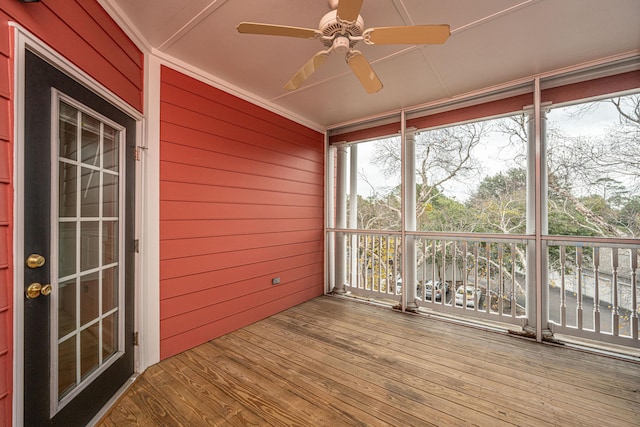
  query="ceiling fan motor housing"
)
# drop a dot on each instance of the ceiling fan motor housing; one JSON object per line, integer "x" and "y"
{"x": 331, "y": 27}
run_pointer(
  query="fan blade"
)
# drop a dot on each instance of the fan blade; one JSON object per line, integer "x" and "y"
{"x": 308, "y": 69}
{"x": 348, "y": 10}
{"x": 276, "y": 30}
{"x": 417, "y": 34}
{"x": 362, "y": 69}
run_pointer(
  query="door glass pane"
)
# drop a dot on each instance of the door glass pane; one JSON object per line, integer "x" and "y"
{"x": 68, "y": 132}
{"x": 111, "y": 151}
{"x": 110, "y": 195}
{"x": 90, "y": 140}
{"x": 90, "y": 193}
{"x": 89, "y": 298}
{"x": 88, "y": 333}
{"x": 109, "y": 289}
{"x": 66, "y": 307}
{"x": 89, "y": 349}
{"x": 109, "y": 242}
{"x": 109, "y": 335}
{"x": 89, "y": 245}
{"x": 68, "y": 189}
{"x": 66, "y": 365}
{"x": 66, "y": 248}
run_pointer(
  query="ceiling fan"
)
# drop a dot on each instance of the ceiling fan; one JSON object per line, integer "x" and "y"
{"x": 339, "y": 31}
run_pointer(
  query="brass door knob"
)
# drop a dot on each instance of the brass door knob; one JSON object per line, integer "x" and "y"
{"x": 35, "y": 261}
{"x": 36, "y": 289}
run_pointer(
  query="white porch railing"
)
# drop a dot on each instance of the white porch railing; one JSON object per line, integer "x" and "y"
{"x": 483, "y": 277}
{"x": 595, "y": 284}
{"x": 592, "y": 283}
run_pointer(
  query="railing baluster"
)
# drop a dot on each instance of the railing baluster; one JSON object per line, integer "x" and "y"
{"x": 433, "y": 271}
{"x": 596, "y": 290}
{"x": 488, "y": 274}
{"x": 634, "y": 294}
{"x": 579, "y": 308}
{"x": 563, "y": 295}
{"x": 514, "y": 301}
{"x": 615, "y": 313}
{"x": 465, "y": 275}
{"x": 454, "y": 247}
{"x": 476, "y": 287}
{"x": 369, "y": 270}
{"x": 500, "y": 281}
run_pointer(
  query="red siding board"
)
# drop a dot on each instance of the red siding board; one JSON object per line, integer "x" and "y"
{"x": 5, "y": 81}
{"x": 209, "y": 295}
{"x": 102, "y": 18}
{"x": 195, "y": 318}
{"x": 228, "y": 227}
{"x": 197, "y": 139}
{"x": 242, "y": 201}
{"x": 4, "y": 34}
{"x": 177, "y": 172}
{"x": 202, "y": 193}
{"x": 222, "y": 260}
{"x": 266, "y": 166}
{"x": 178, "y": 79}
{"x": 204, "y": 245}
{"x": 172, "y": 210}
{"x": 204, "y": 333}
{"x": 5, "y": 125}
{"x": 184, "y": 284}
{"x": 211, "y": 108}
{"x": 592, "y": 88}
{"x": 72, "y": 38}
{"x": 284, "y": 298}
{"x": 101, "y": 41}
{"x": 246, "y": 133}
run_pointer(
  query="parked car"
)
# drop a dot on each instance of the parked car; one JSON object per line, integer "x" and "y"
{"x": 473, "y": 295}
{"x": 435, "y": 288}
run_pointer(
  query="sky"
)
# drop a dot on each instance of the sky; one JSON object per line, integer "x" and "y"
{"x": 494, "y": 152}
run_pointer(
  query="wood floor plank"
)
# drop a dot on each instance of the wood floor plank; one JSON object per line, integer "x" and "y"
{"x": 336, "y": 362}
{"x": 561, "y": 364}
{"x": 341, "y": 389}
{"x": 208, "y": 397}
{"x": 495, "y": 378}
{"x": 308, "y": 379}
{"x": 380, "y": 376}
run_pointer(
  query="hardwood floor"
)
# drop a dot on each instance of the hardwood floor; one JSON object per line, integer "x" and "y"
{"x": 334, "y": 362}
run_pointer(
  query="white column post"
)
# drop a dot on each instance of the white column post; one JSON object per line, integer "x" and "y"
{"x": 341, "y": 221}
{"x": 353, "y": 212}
{"x": 537, "y": 221}
{"x": 409, "y": 161}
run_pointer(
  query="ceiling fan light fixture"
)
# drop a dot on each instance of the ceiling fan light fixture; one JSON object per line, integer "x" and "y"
{"x": 341, "y": 44}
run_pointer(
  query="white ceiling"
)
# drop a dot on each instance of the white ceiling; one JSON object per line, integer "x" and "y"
{"x": 492, "y": 42}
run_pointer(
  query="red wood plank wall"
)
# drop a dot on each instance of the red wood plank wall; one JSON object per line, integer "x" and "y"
{"x": 85, "y": 34}
{"x": 241, "y": 202}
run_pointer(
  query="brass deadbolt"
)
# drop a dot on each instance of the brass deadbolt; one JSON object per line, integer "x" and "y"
{"x": 36, "y": 289}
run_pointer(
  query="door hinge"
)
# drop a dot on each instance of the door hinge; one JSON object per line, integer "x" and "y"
{"x": 139, "y": 149}
{"x": 136, "y": 246}
{"x": 135, "y": 338}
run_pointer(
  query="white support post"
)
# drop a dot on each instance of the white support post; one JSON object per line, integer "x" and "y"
{"x": 341, "y": 222}
{"x": 409, "y": 161}
{"x": 537, "y": 220}
{"x": 353, "y": 212}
